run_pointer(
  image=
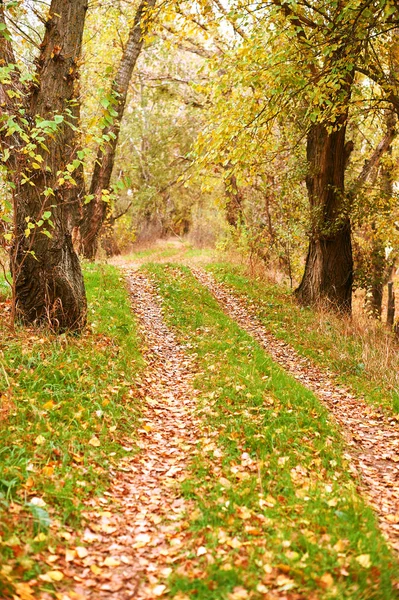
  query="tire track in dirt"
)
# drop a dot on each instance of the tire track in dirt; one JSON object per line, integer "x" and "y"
{"x": 372, "y": 438}
{"x": 140, "y": 531}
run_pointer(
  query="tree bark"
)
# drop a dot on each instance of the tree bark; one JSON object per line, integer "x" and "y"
{"x": 391, "y": 306}
{"x": 328, "y": 272}
{"x": 234, "y": 202}
{"x": 47, "y": 276}
{"x": 95, "y": 212}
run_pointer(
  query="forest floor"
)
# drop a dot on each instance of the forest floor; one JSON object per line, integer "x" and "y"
{"x": 219, "y": 443}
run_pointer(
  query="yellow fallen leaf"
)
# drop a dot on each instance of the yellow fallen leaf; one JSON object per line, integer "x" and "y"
{"x": 70, "y": 555}
{"x": 95, "y": 569}
{"x": 244, "y": 513}
{"x": 51, "y": 576}
{"x": 41, "y": 537}
{"x": 142, "y": 539}
{"x": 393, "y": 518}
{"x": 40, "y": 440}
{"x": 49, "y": 405}
{"x": 81, "y": 551}
{"x": 340, "y": 546}
{"x": 48, "y": 471}
{"x": 111, "y": 562}
{"x": 201, "y": 551}
{"x": 24, "y": 591}
{"x": 29, "y": 482}
{"x": 364, "y": 560}
{"x": 95, "y": 442}
{"x": 158, "y": 590}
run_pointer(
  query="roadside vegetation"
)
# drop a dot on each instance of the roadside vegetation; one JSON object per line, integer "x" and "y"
{"x": 276, "y": 505}
{"x": 67, "y": 414}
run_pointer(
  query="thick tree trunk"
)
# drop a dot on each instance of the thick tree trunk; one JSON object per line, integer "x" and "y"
{"x": 48, "y": 279}
{"x": 94, "y": 213}
{"x": 328, "y": 272}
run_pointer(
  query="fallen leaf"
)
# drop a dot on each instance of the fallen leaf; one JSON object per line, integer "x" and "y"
{"x": 111, "y": 562}
{"x": 364, "y": 560}
{"x": 52, "y": 576}
{"x": 70, "y": 555}
{"x": 95, "y": 569}
{"x": 158, "y": 590}
{"x": 40, "y": 440}
{"x": 142, "y": 539}
{"x": 95, "y": 442}
{"x": 48, "y": 471}
{"x": 225, "y": 482}
{"x": 49, "y": 405}
{"x": 37, "y": 501}
{"x": 201, "y": 551}
{"x": 326, "y": 581}
{"x": 81, "y": 551}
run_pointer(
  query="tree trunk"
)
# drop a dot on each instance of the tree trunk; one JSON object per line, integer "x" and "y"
{"x": 47, "y": 276}
{"x": 234, "y": 202}
{"x": 391, "y": 305}
{"x": 328, "y": 272}
{"x": 109, "y": 241}
{"x": 95, "y": 212}
{"x": 380, "y": 267}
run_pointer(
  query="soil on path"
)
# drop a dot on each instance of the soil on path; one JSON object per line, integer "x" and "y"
{"x": 372, "y": 437}
{"x": 139, "y": 530}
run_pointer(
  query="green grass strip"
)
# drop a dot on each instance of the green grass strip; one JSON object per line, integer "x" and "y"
{"x": 67, "y": 411}
{"x": 276, "y": 506}
{"x": 358, "y": 354}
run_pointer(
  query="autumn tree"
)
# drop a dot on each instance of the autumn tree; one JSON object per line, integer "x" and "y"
{"x": 95, "y": 210}
{"x": 40, "y": 146}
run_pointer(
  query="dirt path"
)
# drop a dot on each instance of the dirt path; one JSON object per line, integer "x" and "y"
{"x": 373, "y": 440}
{"x": 138, "y": 532}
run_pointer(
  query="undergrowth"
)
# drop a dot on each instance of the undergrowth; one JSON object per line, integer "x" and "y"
{"x": 362, "y": 353}
{"x": 276, "y": 506}
{"x": 66, "y": 410}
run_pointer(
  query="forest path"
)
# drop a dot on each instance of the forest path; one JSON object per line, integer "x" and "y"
{"x": 372, "y": 438}
{"x": 142, "y": 523}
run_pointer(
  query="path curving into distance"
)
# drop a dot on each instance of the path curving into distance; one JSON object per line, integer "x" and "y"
{"x": 372, "y": 438}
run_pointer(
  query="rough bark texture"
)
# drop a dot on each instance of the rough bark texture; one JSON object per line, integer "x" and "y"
{"x": 48, "y": 279}
{"x": 328, "y": 272}
{"x": 95, "y": 212}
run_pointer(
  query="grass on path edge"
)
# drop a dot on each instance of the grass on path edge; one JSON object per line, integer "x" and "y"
{"x": 67, "y": 412}
{"x": 361, "y": 351}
